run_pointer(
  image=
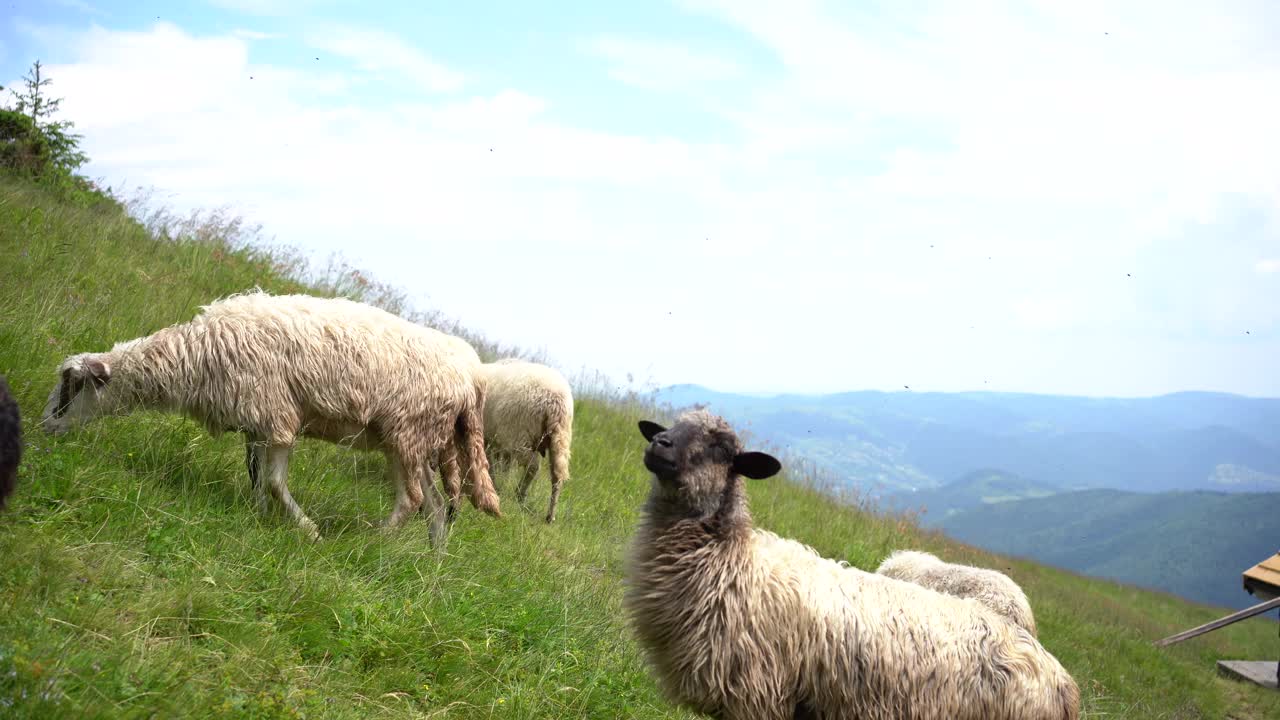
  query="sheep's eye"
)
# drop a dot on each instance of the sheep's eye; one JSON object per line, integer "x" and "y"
{"x": 718, "y": 453}
{"x": 70, "y": 388}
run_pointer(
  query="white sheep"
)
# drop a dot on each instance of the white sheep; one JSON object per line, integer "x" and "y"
{"x": 989, "y": 587}
{"x": 10, "y": 442}
{"x": 740, "y": 623}
{"x": 446, "y": 458}
{"x": 277, "y": 368}
{"x": 528, "y": 413}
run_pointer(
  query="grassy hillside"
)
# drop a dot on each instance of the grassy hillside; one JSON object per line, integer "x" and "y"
{"x": 1194, "y": 544}
{"x": 137, "y": 581}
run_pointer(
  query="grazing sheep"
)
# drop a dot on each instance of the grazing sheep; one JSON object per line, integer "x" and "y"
{"x": 528, "y": 413}
{"x": 740, "y": 623}
{"x": 446, "y": 458}
{"x": 277, "y": 368}
{"x": 10, "y": 442}
{"x": 989, "y": 587}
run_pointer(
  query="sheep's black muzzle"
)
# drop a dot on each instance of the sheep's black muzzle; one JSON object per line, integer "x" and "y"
{"x": 659, "y": 459}
{"x": 658, "y": 465}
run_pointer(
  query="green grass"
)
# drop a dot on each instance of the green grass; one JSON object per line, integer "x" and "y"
{"x": 137, "y": 581}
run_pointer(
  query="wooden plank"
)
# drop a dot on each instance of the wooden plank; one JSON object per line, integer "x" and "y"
{"x": 1260, "y": 590}
{"x": 1220, "y": 622}
{"x": 1255, "y": 671}
{"x": 1263, "y": 579}
{"x": 1267, "y": 568}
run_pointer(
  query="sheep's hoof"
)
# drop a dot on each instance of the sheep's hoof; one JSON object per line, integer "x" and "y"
{"x": 492, "y": 509}
{"x": 551, "y": 519}
{"x": 487, "y": 502}
{"x": 309, "y": 528}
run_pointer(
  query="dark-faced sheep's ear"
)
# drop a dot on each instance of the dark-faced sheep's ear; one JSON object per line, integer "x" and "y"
{"x": 756, "y": 465}
{"x": 99, "y": 371}
{"x": 650, "y": 429}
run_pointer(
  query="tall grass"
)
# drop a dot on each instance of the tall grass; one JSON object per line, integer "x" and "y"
{"x": 136, "y": 580}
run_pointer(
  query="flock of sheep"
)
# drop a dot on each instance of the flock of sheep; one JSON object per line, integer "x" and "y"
{"x": 278, "y": 368}
{"x": 736, "y": 622}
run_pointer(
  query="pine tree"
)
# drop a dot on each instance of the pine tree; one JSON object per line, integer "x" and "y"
{"x": 34, "y": 102}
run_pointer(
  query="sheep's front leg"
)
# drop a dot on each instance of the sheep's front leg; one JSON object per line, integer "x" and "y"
{"x": 415, "y": 490}
{"x": 439, "y": 517}
{"x": 251, "y": 462}
{"x": 469, "y": 439}
{"x": 427, "y": 479}
{"x": 500, "y": 462}
{"x": 530, "y": 460}
{"x": 254, "y": 455}
{"x": 277, "y": 472}
{"x": 450, "y": 480}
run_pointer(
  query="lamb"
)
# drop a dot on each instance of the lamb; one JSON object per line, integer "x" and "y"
{"x": 737, "y": 622}
{"x": 277, "y": 368}
{"x": 10, "y": 442}
{"x": 528, "y": 413}
{"x": 989, "y": 587}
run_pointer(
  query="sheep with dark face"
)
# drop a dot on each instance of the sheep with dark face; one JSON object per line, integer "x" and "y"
{"x": 989, "y": 587}
{"x": 10, "y": 442}
{"x": 277, "y": 368}
{"x": 739, "y": 623}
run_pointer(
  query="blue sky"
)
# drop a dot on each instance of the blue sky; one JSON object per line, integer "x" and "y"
{"x": 1029, "y": 196}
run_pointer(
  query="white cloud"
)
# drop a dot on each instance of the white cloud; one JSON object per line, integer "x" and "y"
{"x": 382, "y": 52}
{"x": 660, "y": 65}
{"x": 155, "y": 76}
{"x": 469, "y": 200}
{"x": 1028, "y": 109}
{"x": 893, "y": 204}
{"x": 254, "y": 34}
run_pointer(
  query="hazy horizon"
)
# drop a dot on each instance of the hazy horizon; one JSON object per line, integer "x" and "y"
{"x": 775, "y": 393}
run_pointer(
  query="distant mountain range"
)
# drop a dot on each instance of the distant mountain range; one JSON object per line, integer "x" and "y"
{"x": 978, "y": 488}
{"x": 1179, "y": 492}
{"x": 906, "y": 441}
{"x": 1193, "y": 544}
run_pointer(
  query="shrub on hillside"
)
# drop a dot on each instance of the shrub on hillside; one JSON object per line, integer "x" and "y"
{"x": 35, "y": 145}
